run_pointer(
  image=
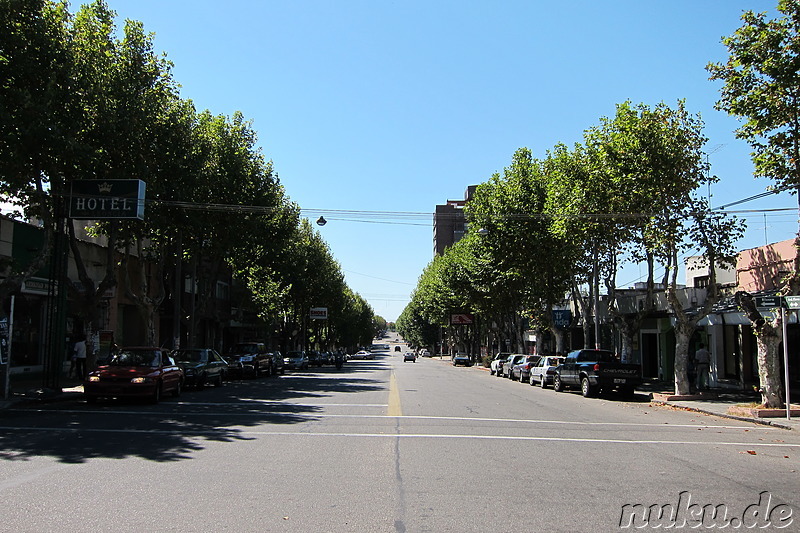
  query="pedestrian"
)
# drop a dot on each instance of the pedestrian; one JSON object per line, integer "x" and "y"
{"x": 71, "y": 358}
{"x": 702, "y": 363}
{"x": 80, "y": 358}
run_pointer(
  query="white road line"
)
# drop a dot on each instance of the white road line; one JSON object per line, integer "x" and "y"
{"x": 402, "y": 436}
{"x": 408, "y": 417}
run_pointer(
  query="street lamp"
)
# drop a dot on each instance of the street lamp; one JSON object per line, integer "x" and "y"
{"x": 321, "y": 221}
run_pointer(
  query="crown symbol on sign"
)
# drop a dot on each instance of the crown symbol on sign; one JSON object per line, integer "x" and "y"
{"x": 104, "y": 187}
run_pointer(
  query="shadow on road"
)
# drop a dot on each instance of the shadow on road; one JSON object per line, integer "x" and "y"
{"x": 75, "y": 432}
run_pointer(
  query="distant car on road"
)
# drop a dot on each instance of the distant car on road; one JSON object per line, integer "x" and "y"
{"x": 249, "y": 359}
{"x": 201, "y": 366}
{"x": 397, "y": 349}
{"x": 409, "y": 356}
{"x": 295, "y": 360}
{"x": 362, "y": 354}
{"x": 461, "y": 359}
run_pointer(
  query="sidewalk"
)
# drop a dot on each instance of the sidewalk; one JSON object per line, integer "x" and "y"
{"x": 727, "y": 403}
{"x": 28, "y": 390}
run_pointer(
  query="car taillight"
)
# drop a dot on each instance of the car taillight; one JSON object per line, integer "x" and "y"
{"x": 597, "y": 367}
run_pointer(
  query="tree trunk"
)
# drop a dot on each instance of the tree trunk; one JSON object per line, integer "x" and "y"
{"x": 683, "y": 334}
{"x": 769, "y": 371}
{"x": 768, "y": 339}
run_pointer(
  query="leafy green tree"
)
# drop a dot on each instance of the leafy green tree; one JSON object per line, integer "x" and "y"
{"x": 36, "y": 117}
{"x": 762, "y": 86}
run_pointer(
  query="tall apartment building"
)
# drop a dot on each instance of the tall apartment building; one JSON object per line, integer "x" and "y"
{"x": 449, "y": 222}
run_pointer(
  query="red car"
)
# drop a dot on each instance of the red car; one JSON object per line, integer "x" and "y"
{"x": 145, "y": 373}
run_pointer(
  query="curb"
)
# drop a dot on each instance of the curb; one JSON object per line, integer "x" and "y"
{"x": 762, "y": 421}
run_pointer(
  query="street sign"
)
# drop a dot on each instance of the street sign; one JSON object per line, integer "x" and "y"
{"x": 319, "y": 313}
{"x": 562, "y": 318}
{"x": 765, "y": 303}
{"x": 462, "y": 319}
{"x": 792, "y": 302}
{"x": 107, "y": 199}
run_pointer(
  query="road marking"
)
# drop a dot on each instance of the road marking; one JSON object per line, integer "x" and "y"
{"x": 751, "y": 427}
{"x": 183, "y": 433}
{"x": 394, "y": 398}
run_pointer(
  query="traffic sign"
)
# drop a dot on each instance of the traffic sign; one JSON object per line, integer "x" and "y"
{"x": 792, "y": 302}
{"x": 765, "y": 303}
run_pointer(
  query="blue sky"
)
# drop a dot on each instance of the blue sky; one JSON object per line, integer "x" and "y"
{"x": 398, "y": 106}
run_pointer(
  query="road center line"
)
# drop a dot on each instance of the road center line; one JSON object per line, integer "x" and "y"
{"x": 394, "y": 398}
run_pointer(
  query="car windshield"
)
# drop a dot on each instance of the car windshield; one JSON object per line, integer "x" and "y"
{"x": 190, "y": 356}
{"x": 135, "y": 358}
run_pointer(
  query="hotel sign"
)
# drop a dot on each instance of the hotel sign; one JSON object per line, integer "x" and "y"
{"x": 107, "y": 199}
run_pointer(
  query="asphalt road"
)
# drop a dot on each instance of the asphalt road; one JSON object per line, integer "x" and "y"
{"x": 384, "y": 445}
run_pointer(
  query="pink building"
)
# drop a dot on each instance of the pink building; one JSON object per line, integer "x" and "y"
{"x": 762, "y": 268}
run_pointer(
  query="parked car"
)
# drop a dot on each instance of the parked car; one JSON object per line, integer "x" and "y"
{"x": 295, "y": 360}
{"x": 513, "y": 359}
{"x": 363, "y": 354}
{"x": 461, "y": 359}
{"x": 544, "y": 371}
{"x": 594, "y": 371}
{"x": 200, "y": 366}
{"x": 314, "y": 358}
{"x": 496, "y": 366}
{"x": 410, "y": 356}
{"x": 328, "y": 358}
{"x": 249, "y": 359}
{"x": 424, "y": 353}
{"x": 136, "y": 372}
{"x": 522, "y": 370}
{"x": 397, "y": 349}
{"x": 277, "y": 362}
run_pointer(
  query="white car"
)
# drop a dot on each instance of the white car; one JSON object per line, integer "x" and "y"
{"x": 496, "y": 366}
{"x": 544, "y": 371}
{"x": 363, "y": 354}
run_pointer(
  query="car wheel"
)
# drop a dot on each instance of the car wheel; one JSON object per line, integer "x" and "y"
{"x": 543, "y": 381}
{"x": 531, "y": 380}
{"x": 557, "y": 386}
{"x": 177, "y": 392}
{"x": 201, "y": 381}
{"x": 586, "y": 388}
{"x": 219, "y": 381}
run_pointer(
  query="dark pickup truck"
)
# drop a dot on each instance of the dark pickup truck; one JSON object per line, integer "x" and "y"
{"x": 594, "y": 371}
